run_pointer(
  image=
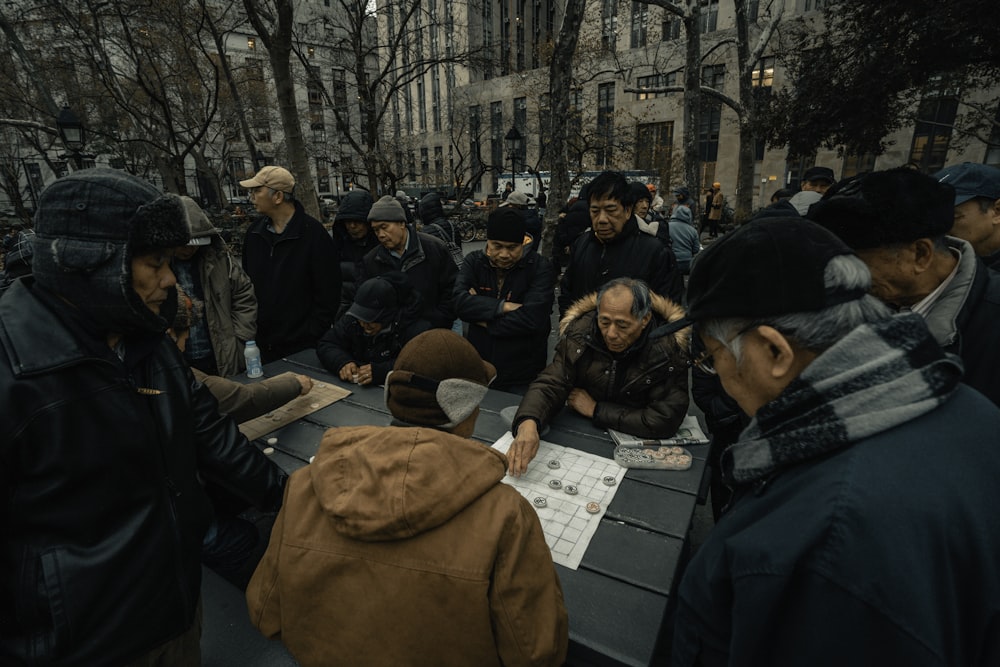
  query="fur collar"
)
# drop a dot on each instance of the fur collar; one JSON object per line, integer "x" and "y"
{"x": 665, "y": 309}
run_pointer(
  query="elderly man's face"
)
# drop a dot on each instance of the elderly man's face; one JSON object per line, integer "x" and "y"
{"x": 356, "y": 229}
{"x": 893, "y": 275}
{"x": 820, "y": 186}
{"x": 502, "y": 254}
{"x": 642, "y": 208}
{"x": 392, "y": 235}
{"x": 978, "y": 227}
{"x": 747, "y": 381}
{"x": 618, "y": 326}
{"x": 608, "y": 217}
{"x": 152, "y": 278}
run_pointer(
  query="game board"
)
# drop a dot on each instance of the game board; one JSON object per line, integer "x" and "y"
{"x": 567, "y": 522}
{"x": 321, "y": 395}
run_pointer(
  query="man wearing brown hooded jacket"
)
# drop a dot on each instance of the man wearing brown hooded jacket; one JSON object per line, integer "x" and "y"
{"x": 401, "y": 546}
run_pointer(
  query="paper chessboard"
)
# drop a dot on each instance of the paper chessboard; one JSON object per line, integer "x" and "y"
{"x": 321, "y": 395}
{"x": 567, "y": 524}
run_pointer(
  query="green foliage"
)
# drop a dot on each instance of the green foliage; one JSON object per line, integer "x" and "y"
{"x": 857, "y": 82}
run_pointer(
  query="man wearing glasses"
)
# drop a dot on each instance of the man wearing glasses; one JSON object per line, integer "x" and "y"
{"x": 862, "y": 529}
{"x": 290, "y": 258}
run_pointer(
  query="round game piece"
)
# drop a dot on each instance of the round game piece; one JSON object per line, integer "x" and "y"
{"x": 311, "y": 459}
{"x": 269, "y": 415}
{"x": 321, "y": 385}
{"x": 554, "y": 464}
{"x": 314, "y": 406}
{"x": 269, "y": 450}
{"x": 685, "y": 459}
{"x": 609, "y": 480}
{"x": 593, "y": 508}
{"x": 570, "y": 489}
{"x": 540, "y": 502}
{"x": 676, "y": 450}
{"x": 272, "y": 441}
{"x": 658, "y": 455}
{"x": 555, "y": 484}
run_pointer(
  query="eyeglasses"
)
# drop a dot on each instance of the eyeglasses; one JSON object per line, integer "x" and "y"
{"x": 705, "y": 362}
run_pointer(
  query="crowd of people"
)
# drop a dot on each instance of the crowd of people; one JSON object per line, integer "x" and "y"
{"x": 843, "y": 346}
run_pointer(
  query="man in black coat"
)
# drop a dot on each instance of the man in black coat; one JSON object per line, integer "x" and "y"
{"x": 290, "y": 258}
{"x": 615, "y": 248}
{"x": 107, "y": 438}
{"x": 353, "y": 238}
{"x": 505, "y": 294}
{"x": 424, "y": 259}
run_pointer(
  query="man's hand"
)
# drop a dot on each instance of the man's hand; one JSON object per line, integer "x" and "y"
{"x": 524, "y": 448}
{"x": 510, "y": 306}
{"x": 581, "y": 401}
{"x": 305, "y": 382}
{"x": 365, "y": 374}
{"x": 348, "y": 371}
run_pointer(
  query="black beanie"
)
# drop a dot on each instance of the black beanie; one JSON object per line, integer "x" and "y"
{"x": 354, "y": 206}
{"x": 88, "y": 227}
{"x": 505, "y": 225}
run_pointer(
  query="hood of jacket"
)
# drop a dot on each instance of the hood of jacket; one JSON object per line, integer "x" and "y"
{"x": 389, "y": 483}
{"x": 682, "y": 214}
{"x": 664, "y": 309}
{"x": 430, "y": 208}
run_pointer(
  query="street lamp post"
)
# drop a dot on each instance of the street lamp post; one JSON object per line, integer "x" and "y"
{"x": 73, "y": 134}
{"x": 513, "y": 140}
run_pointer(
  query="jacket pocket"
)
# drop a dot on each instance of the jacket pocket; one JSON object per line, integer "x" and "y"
{"x": 53, "y": 594}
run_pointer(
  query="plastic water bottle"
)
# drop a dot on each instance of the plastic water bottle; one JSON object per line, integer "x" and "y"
{"x": 252, "y": 354}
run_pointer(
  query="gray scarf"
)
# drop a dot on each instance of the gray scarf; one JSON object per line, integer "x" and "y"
{"x": 877, "y": 377}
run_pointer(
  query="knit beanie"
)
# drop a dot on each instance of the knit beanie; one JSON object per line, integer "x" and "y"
{"x": 190, "y": 310}
{"x": 88, "y": 226}
{"x": 438, "y": 380}
{"x": 640, "y": 191}
{"x": 505, "y": 225}
{"x": 387, "y": 209}
{"x": 354, "y": 207}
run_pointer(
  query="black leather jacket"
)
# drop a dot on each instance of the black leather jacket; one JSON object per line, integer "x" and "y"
{"x": 102, "y": 510}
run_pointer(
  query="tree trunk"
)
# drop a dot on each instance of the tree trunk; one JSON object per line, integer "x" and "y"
{"x": 745, "y": 186}
{"x": 692, "y": 101}
{"x": 560, "y": 85}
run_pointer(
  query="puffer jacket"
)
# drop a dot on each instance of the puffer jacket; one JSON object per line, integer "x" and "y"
{"x": 230, "y": 306}
{"x": 102, "y": 509}
{"x": 515, "y": 342}
{"x": 631, "y": 254}
{"x": 409, "y": 530}
{"x": 642, "y": 391}
{"x": 431, "y": 270}
{"x": 346, "y": 341}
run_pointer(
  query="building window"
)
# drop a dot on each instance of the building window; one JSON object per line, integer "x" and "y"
{"x": 255, "y": 69}
{"x": 753, "y": 10}
{"x": 857, "y": 164}
{"x": 315, "y": 95}
{"x": 993, "y": 145}
{"x": 713, "y": 76}
{"x": 640, "y": 19}
{"x": 425, "y": 166}
{"x": 605, "y": 122}
{"x": 262, "y": 131}
{"x": 653, "y": 82}
{"x": 487, "y": 18}
{"x": 496, "y": 134}
{"x": 436, "y": 99}
{"x": 504, "y": 39}
{"x": 709, "y": 16}
{"x": 439, "y": 162}
{"x": 813, "y": 5}
{"x": 654, "y": 145}
{"x": 671, "y": 27}
{"x": 311, "y": 51}
{"x": 763, "y": 75}
{"x": 251, "y": 43}
{"x": 575, "y": 111}
{"x": 932, "y": 133}
{"x": 521, "y": 123}
{"x": 519, "y": 35}
{"x": 609, "y": 24}
{"x": 475, "y": 128}
{"x": 708, "y": 131}
{"x": 421, "y": 105}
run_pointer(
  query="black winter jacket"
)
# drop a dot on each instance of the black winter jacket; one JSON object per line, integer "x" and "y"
{"x": 346, "y": 342}
{"x": 351, "y": 254}
{"x": 630, "y": 254}
{"x": 431, "y": 270}
{"x": 515, "y": 342}
{"x": 297, "y": 281}
{"x": 102, "y": 509}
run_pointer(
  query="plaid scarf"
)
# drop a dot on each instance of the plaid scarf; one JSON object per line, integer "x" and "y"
{"x": 878, "y": 376}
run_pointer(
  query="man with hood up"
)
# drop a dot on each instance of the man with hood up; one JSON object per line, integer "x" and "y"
{"x": 206, "y": 270}
{"x": 353, "y": 238}
{"x": 400, "y": 545}
{"x": 103, "y": 431}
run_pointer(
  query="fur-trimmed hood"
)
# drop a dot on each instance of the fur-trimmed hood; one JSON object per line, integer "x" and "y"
{"x": 666, "y": 311}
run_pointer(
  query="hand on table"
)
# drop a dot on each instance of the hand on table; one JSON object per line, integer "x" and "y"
{"x": 348, "y": 371}
{"x": 524, "y": 448}
{"x": 581, "y": 401}
{"x": 305, "y": 382}
{"x": 365, "y": 374}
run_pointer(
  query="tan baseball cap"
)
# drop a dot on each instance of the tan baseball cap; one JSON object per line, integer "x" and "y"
{"x": 276, "y": 178}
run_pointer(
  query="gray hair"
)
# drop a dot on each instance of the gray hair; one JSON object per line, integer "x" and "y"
{"x": 815, "y": 331}
{"x": 641, "y": 301}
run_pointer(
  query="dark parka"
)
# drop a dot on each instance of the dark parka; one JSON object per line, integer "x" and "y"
{"x": 297, "y": 282}
{"x": 515, "y": 342}
{"x": 102, "y": 508}
{"x": 428, "y": 264}
{"x": 346, "y": 341}
{"x": 350, "y": 252}
{"x": 642, "y": 391}
{"x": 631, "y": 254}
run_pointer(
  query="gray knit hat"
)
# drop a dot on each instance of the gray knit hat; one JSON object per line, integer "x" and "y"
{"x": 88, "y": 227}
{"x": 387, "y": 209}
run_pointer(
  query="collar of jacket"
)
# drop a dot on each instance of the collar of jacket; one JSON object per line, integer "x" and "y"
{"x": 629, "y": 229}
{"x": 942, "y": 319}
{"x": 35, "y": 338}
{"x": 293, "y": 229}
{"x": 413, "y": 255}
